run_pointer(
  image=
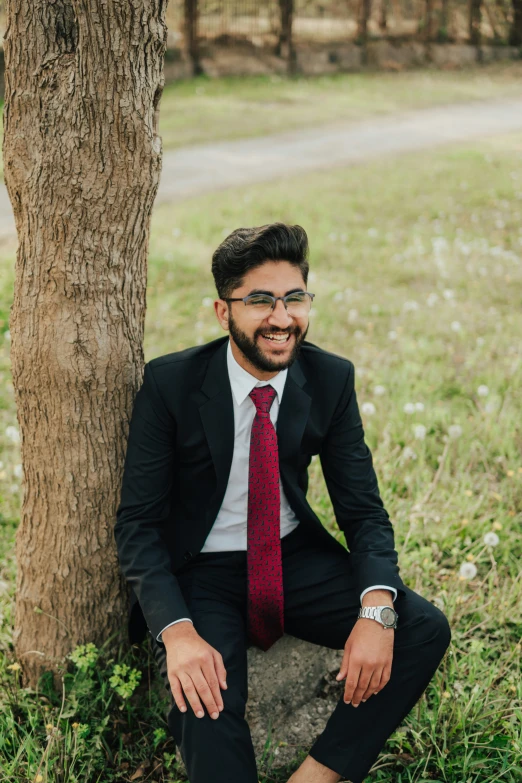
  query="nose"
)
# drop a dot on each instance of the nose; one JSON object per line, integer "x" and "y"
{"x": 279, "y": 316}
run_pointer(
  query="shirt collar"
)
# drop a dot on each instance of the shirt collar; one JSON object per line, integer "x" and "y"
{"x": 242, "y": 382}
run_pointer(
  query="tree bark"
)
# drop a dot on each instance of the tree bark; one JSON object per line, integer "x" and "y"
{"x": 190, "y": 27}
{"x": 515, "y": 33}
{"x": 475, "y": 21}
{"x": 285, "y": 47}
{"x": 82, "y": 159}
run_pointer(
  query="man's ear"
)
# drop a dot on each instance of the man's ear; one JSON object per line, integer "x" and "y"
{"x": 221, "y": 310}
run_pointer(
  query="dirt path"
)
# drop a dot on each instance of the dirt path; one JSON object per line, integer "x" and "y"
{"x": 211, "y": 167}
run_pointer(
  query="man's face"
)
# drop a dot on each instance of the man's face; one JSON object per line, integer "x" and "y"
{"x": 251, "y": 334}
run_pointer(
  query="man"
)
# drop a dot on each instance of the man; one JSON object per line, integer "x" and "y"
{"x": 221, "y": 547}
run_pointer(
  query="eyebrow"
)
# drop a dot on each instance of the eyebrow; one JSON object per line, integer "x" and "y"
{"x": 270, "y": 293}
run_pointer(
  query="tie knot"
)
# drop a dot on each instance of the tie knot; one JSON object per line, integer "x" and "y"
{"x": 263, "y": 397}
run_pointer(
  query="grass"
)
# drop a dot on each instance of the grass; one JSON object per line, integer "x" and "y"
{"x": 417, "y": 270}
{"x": 203, "y": 110}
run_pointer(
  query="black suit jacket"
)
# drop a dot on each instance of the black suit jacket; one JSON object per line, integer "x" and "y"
{"x": 179, "y": 452}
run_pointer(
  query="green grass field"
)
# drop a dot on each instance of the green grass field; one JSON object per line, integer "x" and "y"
{"x": 203, "y": 110}
{"x": 417, "y": 269}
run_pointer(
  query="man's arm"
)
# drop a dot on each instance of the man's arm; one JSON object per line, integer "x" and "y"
{"x": 158, "y": 637}
{"x": 144, "y": 509}
{"x": 392, "y": 590}
{"x": 352, "y": 485}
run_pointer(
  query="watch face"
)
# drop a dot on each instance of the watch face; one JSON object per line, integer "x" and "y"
{"x": 388, "y": 615}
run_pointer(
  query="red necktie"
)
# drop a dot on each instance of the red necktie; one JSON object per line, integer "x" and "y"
{"x": 264, "y": 563}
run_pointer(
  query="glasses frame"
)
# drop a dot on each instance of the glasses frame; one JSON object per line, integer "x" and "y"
{"x": 274, "y": 299}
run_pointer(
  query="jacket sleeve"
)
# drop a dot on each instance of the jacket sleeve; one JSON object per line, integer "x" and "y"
{"x": 144, "y": 509}
{"x": 352, "y": 485}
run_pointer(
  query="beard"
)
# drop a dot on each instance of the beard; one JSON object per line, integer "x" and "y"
{"x": 253, "y": 353}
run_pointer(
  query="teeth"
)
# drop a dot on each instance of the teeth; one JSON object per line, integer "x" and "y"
{"x": 281, "y": 339}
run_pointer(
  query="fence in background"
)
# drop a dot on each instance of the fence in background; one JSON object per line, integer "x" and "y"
{"x": 281, "y": 25}
{"x": 263, "y": 21}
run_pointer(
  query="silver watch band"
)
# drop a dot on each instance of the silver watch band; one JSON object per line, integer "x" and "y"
{"x": 374, "y": 613}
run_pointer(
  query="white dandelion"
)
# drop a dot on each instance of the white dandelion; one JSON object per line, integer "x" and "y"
{"x": 410, "y": 304}
{"x": 13, "y": 434}
{"x": 454, "y": 431}
{"x": 408, "y": 453}
{"x": 379, "y": 390}
{"x": 468, "y": 570}
{"x": 491, "y": 539}
{"x": 207, "y": 301}
{"x": 409, "y": 407}
{"x": 455, "y": 325}
{"x": 432, "y": 299}
{"x": 448, "y": 293}
{"x": 419, "y": 406}
{"x": 368, "y": 408}
{"x": 419, "y": 431}
{"x": 483, "y": 390}
{"x": 18, "y": 470}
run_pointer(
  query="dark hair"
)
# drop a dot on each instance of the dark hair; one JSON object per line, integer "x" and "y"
{"x": 247, "y": 248}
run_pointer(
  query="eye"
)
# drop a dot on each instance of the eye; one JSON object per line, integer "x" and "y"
{"x": 298, "y": 297}
{"x": 259, "y": 300}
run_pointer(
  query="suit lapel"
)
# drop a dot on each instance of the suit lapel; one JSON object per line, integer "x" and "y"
{"x": 217, "y": 417}
{"x": 293, "y": 414}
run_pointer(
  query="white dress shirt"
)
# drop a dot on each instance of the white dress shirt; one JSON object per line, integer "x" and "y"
{"x": 229, "y": 531}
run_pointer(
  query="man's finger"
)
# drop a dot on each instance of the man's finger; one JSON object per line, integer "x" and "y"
{"x": 373, "y": 684}
{"x": 209, "y": 672}
{"x": 344, "y": 665}
{"x": 365, "y": 676}
{"x": 205, "y": 693}
{"x": 177, "y": 693}
{"x": 352, "y": 680}
{"x": 221, "y": 672}
{"x": 191, "y": 694}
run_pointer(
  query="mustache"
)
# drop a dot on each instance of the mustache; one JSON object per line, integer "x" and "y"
{"x": 279, "y": 331}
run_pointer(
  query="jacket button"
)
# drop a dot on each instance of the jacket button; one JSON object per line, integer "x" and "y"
{"x": 187, "y": 555}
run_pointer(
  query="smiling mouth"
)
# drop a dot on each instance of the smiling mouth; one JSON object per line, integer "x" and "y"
{"x": 276, "y": 339}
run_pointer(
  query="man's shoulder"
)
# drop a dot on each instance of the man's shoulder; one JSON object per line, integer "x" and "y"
{"x": 321, "y": 360}
{"x": 197, "y": 354}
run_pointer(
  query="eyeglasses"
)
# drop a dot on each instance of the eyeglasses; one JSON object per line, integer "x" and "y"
{"x": 297, "y": 304}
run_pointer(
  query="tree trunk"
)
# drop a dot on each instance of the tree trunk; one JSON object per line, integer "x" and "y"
{"x": 515, "y": 33}
{"x": 285, "y": 46}
{"x": 475, "y": 20}
{"x": 364, "y": 12}
{"x": 190, "y": 26}
{"x": 82, "y": 160}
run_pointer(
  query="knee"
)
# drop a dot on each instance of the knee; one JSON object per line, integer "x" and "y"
{"x": 440, "y": 628}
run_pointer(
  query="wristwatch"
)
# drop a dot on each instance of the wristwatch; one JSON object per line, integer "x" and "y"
{"x": 383, "y": 614}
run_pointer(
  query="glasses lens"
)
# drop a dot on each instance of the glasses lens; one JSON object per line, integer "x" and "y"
{"x": 298, "y": 304}
{"x": 259, "y": 305}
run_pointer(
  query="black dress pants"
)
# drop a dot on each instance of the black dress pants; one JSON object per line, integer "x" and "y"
{"x": 321, "y": 606}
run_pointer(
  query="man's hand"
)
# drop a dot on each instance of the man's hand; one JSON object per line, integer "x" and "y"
{"x": 196, "y": 668}
{"x": 368, "y": 654}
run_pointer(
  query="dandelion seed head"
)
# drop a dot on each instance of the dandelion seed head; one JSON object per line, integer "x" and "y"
{"x": 491, "y": 539}
{"x": 454, "y": 431}
{"x": 468, "y": 570}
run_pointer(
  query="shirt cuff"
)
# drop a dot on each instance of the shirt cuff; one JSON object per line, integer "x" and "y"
{"x": 158, "y": 637}
{"x": 380, "y": 587}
